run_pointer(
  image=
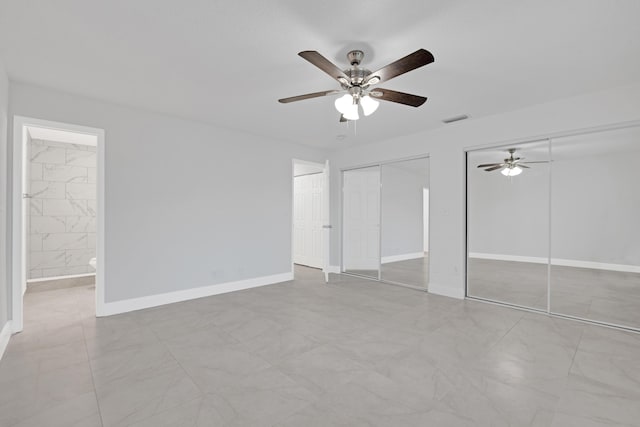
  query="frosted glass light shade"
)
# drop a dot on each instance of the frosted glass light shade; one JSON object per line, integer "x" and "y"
{"x": 351, "y": 113}
{"x": 344, "y": 103}
{"x": 369, "y": 105}
{"x": 511, "y": 171}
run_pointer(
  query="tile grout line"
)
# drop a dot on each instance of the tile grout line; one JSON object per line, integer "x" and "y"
{"x": 575, "y": 353}
{"x": 507, "y": 332}
{"x": 564, "y": 390}
{"x": 93, "y": 382}
{"x": 173, "y": 356}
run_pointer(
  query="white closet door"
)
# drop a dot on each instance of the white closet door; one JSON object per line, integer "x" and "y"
{"x": 361, "y": 221}
{"x": 307, "y": 225}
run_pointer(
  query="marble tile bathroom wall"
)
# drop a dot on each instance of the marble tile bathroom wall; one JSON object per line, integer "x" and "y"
{"x": 62, "y": 215}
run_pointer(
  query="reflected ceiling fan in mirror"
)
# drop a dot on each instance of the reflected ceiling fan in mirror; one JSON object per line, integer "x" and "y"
{"x": 356, "y": 83}
{"x": 511, "y": 166}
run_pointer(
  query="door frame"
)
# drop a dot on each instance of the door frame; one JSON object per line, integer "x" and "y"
{"x": 18, "y": 245}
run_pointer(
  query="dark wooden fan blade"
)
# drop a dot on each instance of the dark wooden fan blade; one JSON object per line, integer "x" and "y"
{"x": 494, "y": 168}
{"x": 488, "y": 165}
{"x": 520, "y": 165}
{"x": 342, "y": 119}
{"x": 410, "y": 62}
{"x": 399, "y": 97}
{"x": 325, "y": 65}
{"x": 537, "y": 161}
{"x": 307, "y": 96}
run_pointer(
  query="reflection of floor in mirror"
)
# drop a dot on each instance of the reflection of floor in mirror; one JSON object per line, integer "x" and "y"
{"x": 366, "y": 273}
{"x": 601, "y": 295}
{"x": 413, "y": 272}
{"x": 519, "y": 283}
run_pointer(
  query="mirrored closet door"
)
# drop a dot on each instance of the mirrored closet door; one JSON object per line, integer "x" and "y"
{"x": 385, "y": 222}
{"x": 405, "y": 222}
{"x": 361, "y": 222}
{"x": 508, "y": 224}
{"x": 595, "y": 227}
{"x": 560, "y": 234}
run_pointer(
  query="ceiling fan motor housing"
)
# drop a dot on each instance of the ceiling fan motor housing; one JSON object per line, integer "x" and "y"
{"x": 356, "y": 74}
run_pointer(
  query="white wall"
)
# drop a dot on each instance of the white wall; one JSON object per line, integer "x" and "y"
{"x": 446, "y": 147}
{"x": 402, "y": 218}
{"x": 187, "y": 204}
{"x": 4, "y": 273}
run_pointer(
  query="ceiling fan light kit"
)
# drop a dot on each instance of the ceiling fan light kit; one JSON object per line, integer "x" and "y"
{"x": 369, "y": 105}
{"x": 512, "y": 166}
{"x": 347, "y": 107}
{"x": 356, "y": 83}
{"x": 511, "y": 171}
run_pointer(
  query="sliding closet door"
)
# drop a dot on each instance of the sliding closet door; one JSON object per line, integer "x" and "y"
{"x": 361, "y": 222}
{"x": 595, "y": 227}
{"x": 404, "y": 219}
{"x": 508, "y": 224}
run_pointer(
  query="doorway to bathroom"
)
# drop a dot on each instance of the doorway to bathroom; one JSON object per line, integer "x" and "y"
{"x": 58, "y": 219}
{"x": 310, "y": 219}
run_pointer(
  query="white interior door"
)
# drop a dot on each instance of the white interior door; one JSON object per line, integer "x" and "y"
{"x": 361, "y": 221}
{"x": 307, "y": 224}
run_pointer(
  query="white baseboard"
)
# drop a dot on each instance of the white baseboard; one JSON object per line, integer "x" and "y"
{"x": 515, "y": 258}
{"x": 133, "y": 304}
{"x": 558, "y": 261}
{"x": 402, "y": 257}
{"x": 596, "y": 265}
{"x": 447, "y": 291}
{"x": 5, "y": 334}
{"x": 71, "y": 276}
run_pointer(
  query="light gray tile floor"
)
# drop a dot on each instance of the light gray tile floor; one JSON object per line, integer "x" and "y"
{"x": 304, "y": 353}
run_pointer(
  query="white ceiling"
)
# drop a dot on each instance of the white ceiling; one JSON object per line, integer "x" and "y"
{"x": 227, "y": 62}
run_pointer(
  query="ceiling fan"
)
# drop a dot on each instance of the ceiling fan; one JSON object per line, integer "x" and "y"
{"x": 511, "y": 166}
{"x": 356, "y": 82}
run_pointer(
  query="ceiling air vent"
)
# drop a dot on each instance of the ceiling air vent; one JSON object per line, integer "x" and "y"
{"x": 455, "y": 119}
